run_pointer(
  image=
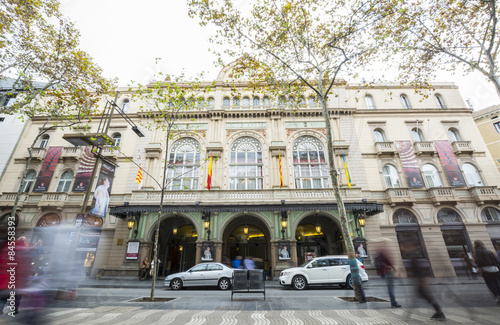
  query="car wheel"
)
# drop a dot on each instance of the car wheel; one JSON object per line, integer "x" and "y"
{"x": 299, "y": 282}
{"x": 176, "y": 284}
{"x": 224, "y": 284}
{"x": 348, "y": 282}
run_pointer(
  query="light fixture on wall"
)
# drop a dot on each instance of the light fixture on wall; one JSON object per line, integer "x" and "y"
{"x": 130, "y": 223}
{"x": 206, "y": 217}
{"x": 174, "y": 230}
{"x": 361, "y": 221}
{"x": 318, "y": 228}
{"x": 284, "y": 222}
{"x": 245, "y": 230}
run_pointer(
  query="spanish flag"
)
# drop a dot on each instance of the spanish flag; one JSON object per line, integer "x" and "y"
{"x": 209, "y": 179}
{"x": 281, "y": 172}
{"x": 346, "y": 172}
{"x": 138, "y": 178}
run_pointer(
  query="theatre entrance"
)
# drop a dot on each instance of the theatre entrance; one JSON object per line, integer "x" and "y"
{"x": 249, "y": 239}
{"x": 318, "y": 236}
{"x": 176, "y": 245}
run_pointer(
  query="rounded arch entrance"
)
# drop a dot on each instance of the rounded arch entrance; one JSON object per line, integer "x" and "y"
{"x": 318, "y": 235}
{"x": 247, "y": 236}
{"x": 176, "y": 245}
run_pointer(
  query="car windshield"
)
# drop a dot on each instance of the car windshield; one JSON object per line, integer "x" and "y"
{"x": 304, "y": 264}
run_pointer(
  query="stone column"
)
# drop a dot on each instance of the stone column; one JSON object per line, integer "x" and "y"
{"x": 436, "y": 250}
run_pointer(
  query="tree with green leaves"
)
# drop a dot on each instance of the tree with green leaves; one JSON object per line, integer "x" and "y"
{"x": 291, "y": 46}
{"x": 48, "y": 75}
{"x": 424, "y": 36}
{"x": 164, "y": 102}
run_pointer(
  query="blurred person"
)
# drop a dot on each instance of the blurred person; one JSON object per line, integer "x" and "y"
{"x": 145, "y": 268}
{"x": 420, "y": 273}
{"x": 488, "y": 268}
{"x": 497, "y": 247}
{"x": 248, "y": 263}
{"x": 226, "y": 261}
{"x": 236, "y": 264}
{"x": 386, "y": 269}
{"x": 267, "y": 268}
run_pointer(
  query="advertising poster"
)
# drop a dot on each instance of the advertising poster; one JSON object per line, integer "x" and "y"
{"x": 410, "y": 164}
{"x": 449, "y": 162}
{"x": 360, "y": 247}
{"x": 132, "y": 250}
{"x": 284, "y": 250}
{"x": 48, "y": 167}
{"x": 84, "y": 172}
{"x": 207, "y": 251}
{"x": 102, "y": 191}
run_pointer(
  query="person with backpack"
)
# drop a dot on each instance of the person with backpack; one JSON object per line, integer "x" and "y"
{"x": 386, "y": 269}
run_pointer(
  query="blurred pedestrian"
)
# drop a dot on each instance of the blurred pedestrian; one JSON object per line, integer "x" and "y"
{"x": 145, "y": 268}
{"x": 386, "y": 269}
{"x": 488, "y": 268}
{"x": 226, "y": 261}
{"x": 420, "y": 273}
{"x": 248, "y": 263}
{"x": 267, "y": 269}
{"x": 237, "y": 262}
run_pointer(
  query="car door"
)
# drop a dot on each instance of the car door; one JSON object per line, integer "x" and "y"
{"x": 195, "y": 276}
{"x": 317, "y": 271}
{"x": 213, "y": 274}
{"x": 336, "y": 270}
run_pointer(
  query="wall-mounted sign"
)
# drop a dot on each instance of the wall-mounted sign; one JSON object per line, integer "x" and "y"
{"x": 207, "y": 251}
{"x": 284, "y": 250}
{"x": 132, "y": 250}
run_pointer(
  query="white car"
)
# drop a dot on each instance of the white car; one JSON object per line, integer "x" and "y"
{"x": 322, "y": 271}
{"x": 204, "y": 274}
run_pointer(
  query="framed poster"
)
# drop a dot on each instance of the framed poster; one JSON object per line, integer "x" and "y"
{"x": 207, "y": 251}
{"x": 360, "y": 247}
{"x": 132, "y": 250}
{"x": 284, "y": 250}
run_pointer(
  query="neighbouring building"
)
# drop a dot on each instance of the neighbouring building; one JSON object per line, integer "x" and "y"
{"x": 419, "y": 170}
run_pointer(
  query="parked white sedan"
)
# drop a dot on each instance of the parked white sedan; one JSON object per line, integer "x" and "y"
{"x": 322, "y": 271}
{"x": 204, "y": 274}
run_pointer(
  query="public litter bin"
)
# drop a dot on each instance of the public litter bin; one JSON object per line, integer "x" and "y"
{"x": 248, "y": 281}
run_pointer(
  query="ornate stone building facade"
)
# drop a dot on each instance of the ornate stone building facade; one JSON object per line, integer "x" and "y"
{"x": 419, "y": 170}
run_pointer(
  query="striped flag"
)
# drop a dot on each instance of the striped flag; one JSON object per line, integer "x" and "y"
{"x": 281, "y": 172}
{"x": 346, "y": 172}
{"x": 138, "y": 178}
{"x": 209, "y": 178}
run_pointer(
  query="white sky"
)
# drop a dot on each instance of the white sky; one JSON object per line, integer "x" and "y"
{"x": 125, "y": 37}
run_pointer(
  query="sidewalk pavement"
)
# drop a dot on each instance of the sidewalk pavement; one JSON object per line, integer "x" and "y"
{"x": 135, "y": 283}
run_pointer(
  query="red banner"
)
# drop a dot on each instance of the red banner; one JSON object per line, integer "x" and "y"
{"x": 410, "y": 164}
{"x": 450, "y": 163}
{"x": 47, "y": 171}
{"x": 87, "y": 163}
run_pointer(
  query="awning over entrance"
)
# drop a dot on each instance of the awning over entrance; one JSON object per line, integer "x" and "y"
{"x": 125, "y": 210}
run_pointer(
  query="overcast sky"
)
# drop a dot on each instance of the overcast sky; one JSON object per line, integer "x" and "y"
{"x": 125, "y": 37}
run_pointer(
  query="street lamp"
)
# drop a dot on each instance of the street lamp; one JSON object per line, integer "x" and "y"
{"x": 206, "y": 217}
{"x": 361, "y": 221}
{"x": 245, "y": 230}
{"x": 174, "y": 231}
{"x": 284, "y": 223}
{"x": 318, "y": 229}
{"x": 130, "y": 224}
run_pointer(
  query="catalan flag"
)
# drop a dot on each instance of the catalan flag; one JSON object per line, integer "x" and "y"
{"x": 209, "y": 178}
{"x": 138, "y": 178}
{"x": 281, "y": 172}
{"x": 346, "y": 171}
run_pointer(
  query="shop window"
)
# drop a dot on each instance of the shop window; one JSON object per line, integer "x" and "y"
{"x": 309, "y": 163}
{"x": 183, "y": 170}
{"x": 65, "y": 181}
{"x": 245, "y": 166}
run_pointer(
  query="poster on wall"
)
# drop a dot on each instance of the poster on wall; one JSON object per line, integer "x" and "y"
{"x": 84, "y": 172}
{"x": 360, "y": 247}
{"x": 132, "y": 250}
{"x": 207, "y": 251}
{"x": 410, "y": 164}
{"x": 103, "y": 190}
{"x": 284, "y": 250}
{"x": 47, "y": 170}
{"x": 449, "y": 162}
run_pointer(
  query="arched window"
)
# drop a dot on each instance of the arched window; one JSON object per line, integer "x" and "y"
{"x": 311, "y": 101}
{"x": 245, "y": 166}
{"x": 370, "y": 104}
{"x": 236, "y": 102}
{"x": 125, "y": 105}
{"x": 226, "y": 102}
{"x": 65, "y": 181}
{"x": 472, "y": 175}
{"x": 379, "y": 135}
{"x": 117, "y": 139}
{"x": 210, "y": 102}
{"x": 417, "y": 135}
{"x": 391, "y": 176}
{"x": 309, "y": 163}
{"x": 246, "y": 102}
{"x": 183, "y": 170}
{"x": 431, "y": 176}
{"x": 404, "y": 216}
{"x": 49, "y": 220}
{"x": 29, "y": 181}
{"x": 446, "y": 215}
{"x": 302, "y": 101}
{"x": 44, "y": 142}
{"x": 282, "y": 101}
{"x": 266, "y": 102}
{"x": 256, "y": 102}
{"x": 439, "y": 101}
{"x": 404, "y": 101}
{"x": 454, "y": 135}
{"x": 490, "y": 214}
{"x": 200, "y": 103}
